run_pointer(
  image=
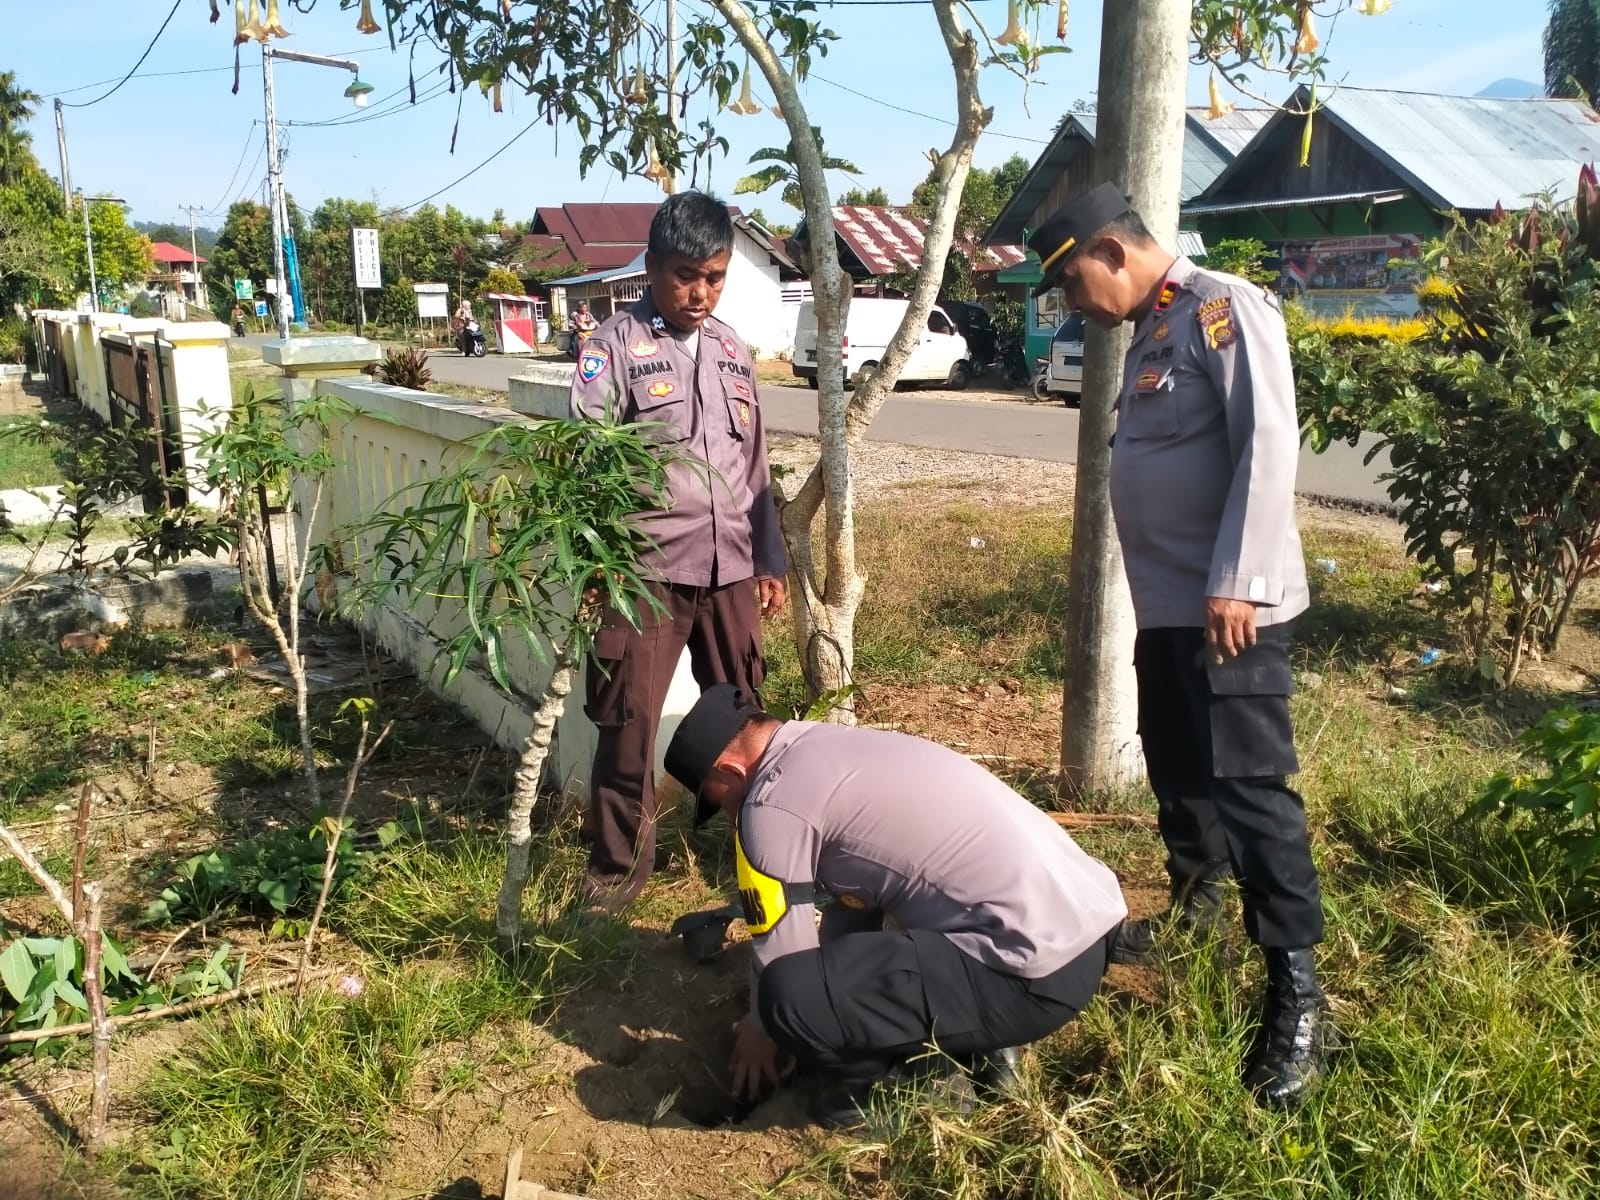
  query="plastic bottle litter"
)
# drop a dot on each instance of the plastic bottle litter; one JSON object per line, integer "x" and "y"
{"x": 1434, "y": 586}
{"x": 1326, "y": 565}
{"x": 977, "y": 543}
{"x": 1396, "y": 693}
{"x": 1431, "y": 656}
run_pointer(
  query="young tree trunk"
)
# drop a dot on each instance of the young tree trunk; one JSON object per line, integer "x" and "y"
{"x": 524, "y": 795}
{"x": 827, "y": 594}
{"x": 95, "y": 993}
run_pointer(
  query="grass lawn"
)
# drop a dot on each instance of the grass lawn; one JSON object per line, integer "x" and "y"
{"x": 23, "y": 462}
{"x": 1471, "y": 1004}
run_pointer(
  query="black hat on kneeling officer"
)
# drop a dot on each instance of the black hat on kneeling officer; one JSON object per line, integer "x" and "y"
{"x": 702, "y": 736}
{"x": 1071, "y": 226}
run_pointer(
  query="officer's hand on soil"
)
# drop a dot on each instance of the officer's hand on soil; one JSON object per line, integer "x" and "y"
{"x": 772, "y": 593}
{"x": 1230, "y": 628}
{"x": 755, "y": 1063}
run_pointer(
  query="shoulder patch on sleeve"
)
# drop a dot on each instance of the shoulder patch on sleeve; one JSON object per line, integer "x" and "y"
{"x": 592, "y": 362}
{"x": 1215, "y": 317}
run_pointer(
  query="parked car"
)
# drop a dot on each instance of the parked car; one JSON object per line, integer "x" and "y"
{"x": 1065, "y": 373}
{"x": 939, "y": 356}
{"x": 974, "y": 323}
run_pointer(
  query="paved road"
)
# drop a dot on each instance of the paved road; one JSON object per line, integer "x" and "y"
{"x": 1048, "y": 432}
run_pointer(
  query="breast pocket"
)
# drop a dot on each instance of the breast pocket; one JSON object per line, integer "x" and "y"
{"x": 663, "y": 404}
{"x": 1150, "y": 414}
{"x": 740, "y": 397}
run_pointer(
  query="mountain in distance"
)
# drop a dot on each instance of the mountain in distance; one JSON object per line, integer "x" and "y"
{"x": 1512, "y": 89}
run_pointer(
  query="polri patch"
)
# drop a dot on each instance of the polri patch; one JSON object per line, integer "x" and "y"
{"x": 1148, "y": 381}
{"x": 744, "y": 414}
{"x": 1216, "y": 319}
{"x": 661, "y": 388}
{"x": 644, "y": 349}
{"x": 592, "y": 362}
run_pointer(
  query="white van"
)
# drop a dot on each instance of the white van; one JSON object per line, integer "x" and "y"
{"x": 939, "y": 356}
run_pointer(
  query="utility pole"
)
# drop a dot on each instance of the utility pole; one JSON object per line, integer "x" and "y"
{"x": 191, "y": 209}
{"x": 1144, "y": 59}
{"x": 672, "y": 79}
{"x": 61, "y": 147}
{"x": 275, "y": 195}
{"x": 88, "y": 245}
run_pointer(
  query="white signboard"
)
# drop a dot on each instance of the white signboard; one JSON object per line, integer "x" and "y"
{"x": 364, "y": 248}
{"x": 433, "y": 299}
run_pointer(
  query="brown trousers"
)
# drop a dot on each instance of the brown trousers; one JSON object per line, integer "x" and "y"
{"x": 629, "y": 673}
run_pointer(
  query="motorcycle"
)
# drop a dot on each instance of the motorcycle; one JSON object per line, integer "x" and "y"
{"x": 576, "y": 341}
{"x": 1041, "y": 379}
{"x": 471, "y": 342}
{"x": 1013, "y": 362}
{"x": 238, "y": 329}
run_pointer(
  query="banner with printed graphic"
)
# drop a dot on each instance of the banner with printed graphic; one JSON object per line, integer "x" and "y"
{"x": 1375, "y": 275}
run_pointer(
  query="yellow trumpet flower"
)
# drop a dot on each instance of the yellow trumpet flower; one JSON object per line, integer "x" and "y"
{"x": 505, "y": 9}
{"x": 657, "y": 173}
{"x": 250, "y": 29}
{"x": 1307, "y": 42}
{"x": 1012, "y": 33}
{"x": 367, "y": 23}
{"x": 1373, "y": 8}
{"x": 1061, "y": 21}
{"x": 240, "y": 36}
{"x": 1219, "y": 107}
{"x": 273, "y": 25}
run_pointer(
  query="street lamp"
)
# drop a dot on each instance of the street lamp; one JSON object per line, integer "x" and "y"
{"x": 88, "y": 239}
{"x": 358, "y": 91}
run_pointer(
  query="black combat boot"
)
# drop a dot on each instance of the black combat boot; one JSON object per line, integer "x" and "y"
{"x": 995, "y": 1073}
{"x": 1196, "y": 909}
{"x": 1291, "y": 1051}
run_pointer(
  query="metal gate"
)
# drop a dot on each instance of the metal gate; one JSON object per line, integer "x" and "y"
{"x": 55, "y": 365}
{"x": 138, "y": 387}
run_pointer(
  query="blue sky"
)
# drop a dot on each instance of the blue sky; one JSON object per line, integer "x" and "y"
{"x": 168, "y": 140}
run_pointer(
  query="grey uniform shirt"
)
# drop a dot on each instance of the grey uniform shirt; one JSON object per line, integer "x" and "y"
{"x": 905, "y": 827}
{"x": 1203, "y": 465}
{"x": 722, "y": 526}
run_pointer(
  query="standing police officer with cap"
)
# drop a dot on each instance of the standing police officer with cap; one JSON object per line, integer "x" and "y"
{"x": 1003, "y": 924}
{"x": 1202, "y": 490}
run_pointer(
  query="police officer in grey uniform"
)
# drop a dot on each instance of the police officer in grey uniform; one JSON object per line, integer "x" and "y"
{"x": 1003, "y": 926}
{"x": 718, "y": 563}
{"x": 1202, "y": 490}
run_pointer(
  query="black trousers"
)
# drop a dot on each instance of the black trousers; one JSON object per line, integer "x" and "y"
{"x": 865, "y": 1001}
{"x": 1218, "y": 746}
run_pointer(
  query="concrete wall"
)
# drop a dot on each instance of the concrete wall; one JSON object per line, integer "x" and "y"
{"x": 398, "y": 439}
{"x": 752, "y": 300}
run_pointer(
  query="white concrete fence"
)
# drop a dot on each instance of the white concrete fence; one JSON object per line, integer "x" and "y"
{"x": 397, "y": 439}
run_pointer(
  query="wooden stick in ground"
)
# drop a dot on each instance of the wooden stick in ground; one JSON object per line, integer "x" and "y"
{"x": 363, "y": 756}
{"x": 1082, "y": 820}
{"x": 181, "y": 1009}
{"x": 43, "y": 878}
{"x": 80, "y": 845}
{"x": 95, "y": 990}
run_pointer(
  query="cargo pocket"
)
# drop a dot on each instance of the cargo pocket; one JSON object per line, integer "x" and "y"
{"x": 607, "y": 702}
{"x": 659, "y": 402}
{"x": 1251, "y": 734}
{"x": 740, "y": 398}
{"x": 1148, "y": 415}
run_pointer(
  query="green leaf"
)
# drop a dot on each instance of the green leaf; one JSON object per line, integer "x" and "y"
{"x": 17, "y": 970}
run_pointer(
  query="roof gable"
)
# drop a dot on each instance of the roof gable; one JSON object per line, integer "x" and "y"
{"x": 1455, "y": 152}
{"x": 166, "y": 252}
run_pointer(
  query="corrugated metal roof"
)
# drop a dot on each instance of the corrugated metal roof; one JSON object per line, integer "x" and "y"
{"x": 1191, "y": 244}
{"x": 627, "y": 271}
{"x": 166, "y": 252}
{"x": 888, "y": 240}
{"x": 1208, "y": 147}
{"x": 1231, "y": 206}
{"x": 1473, "y": 152}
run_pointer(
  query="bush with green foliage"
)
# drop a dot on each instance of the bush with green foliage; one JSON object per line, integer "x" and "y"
{"x": 16, "y": 341}
{"x": 406, "y": 367}
{"x": 1244, "y": 257}
{"x": 502, "y": 280}
{"x": 1491, "y": 417}
{"x": 1563, "y": 804}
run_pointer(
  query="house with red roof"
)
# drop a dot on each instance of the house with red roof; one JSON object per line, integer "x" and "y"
{"x": 175, "y": 269}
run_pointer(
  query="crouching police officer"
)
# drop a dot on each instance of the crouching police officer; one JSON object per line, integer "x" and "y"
{"x": 1002, "y": 926}
{"x": 1202, "y": 490}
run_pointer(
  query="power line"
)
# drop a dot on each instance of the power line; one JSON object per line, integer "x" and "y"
{"x": 136, "y": 66}
{"x": 84, "y": 87}
{"x": 248, "y": 141}
{"x": 362, "y": 118}
{"x": 517, "y": 137}
{"x": 911, "y": 112}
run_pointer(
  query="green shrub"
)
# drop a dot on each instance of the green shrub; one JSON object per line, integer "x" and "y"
{"x": 16, "y": 341}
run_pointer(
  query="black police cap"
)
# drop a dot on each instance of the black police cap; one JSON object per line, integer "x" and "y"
{"x": 1063, "y": 235}
{"x": 702, "y": 736}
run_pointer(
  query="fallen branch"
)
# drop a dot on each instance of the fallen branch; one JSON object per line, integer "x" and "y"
{"x": 43, "y": 878}
{"x": 1083, "y": 820}
{"x": 180, "y": 1009}
{"x": 94, "y": 989}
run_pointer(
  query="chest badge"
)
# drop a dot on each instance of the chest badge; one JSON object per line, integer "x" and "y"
{"x": 729, "y": 349}
{"x": 852, "y": 901}
{"x": 592, "y": 363}
{"x": 660, "y": 388}
{"x": 744, "y": 414}
{"x": 741, "y": 387}
{"x": 1148, "y": 381}
{"x": 1216, "y": 319}
{"x": 1162, "y": 332}
{"x": 644, "y": 349}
